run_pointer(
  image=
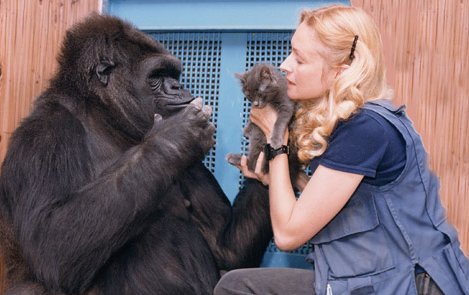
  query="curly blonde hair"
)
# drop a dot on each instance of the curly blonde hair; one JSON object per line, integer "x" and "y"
{"x": 365, "y": 79}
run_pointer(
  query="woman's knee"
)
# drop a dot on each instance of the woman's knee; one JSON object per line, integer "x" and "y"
{"x": 231, "y": 282}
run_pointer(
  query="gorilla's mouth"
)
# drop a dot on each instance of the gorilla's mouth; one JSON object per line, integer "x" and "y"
{"x": 165, "y": 106}
{"x": 176, "y": 105}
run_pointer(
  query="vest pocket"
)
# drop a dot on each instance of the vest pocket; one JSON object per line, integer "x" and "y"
{"x": 353, "y": 243}
{"x": 447, "y": 271}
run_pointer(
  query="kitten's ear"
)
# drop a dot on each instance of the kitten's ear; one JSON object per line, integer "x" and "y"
{"x": 240, "y": 76}
{"x": 266, "y": 74}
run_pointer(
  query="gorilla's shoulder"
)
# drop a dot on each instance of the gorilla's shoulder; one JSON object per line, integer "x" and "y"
{"x": 45, "y": 145}
{"x": 50, "y": 122}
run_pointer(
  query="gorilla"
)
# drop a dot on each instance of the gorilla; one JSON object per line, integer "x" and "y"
{"x": 103, "y": 190}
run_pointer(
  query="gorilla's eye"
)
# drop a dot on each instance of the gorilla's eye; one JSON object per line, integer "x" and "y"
{"x": 155, "y": 83}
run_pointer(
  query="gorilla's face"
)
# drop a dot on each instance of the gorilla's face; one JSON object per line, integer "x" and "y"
{"x": 121, "y": 73}
{"x": 158, "y": 77}
{"x": 133, "y": 75}
{"x": 150, "y": 84}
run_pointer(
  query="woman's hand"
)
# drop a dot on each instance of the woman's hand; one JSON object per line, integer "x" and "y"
{"x": 265, "y": 119}
{"x": 257, "y": 174}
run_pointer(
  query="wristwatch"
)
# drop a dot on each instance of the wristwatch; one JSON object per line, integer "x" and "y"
{"x": 270, "y": 152}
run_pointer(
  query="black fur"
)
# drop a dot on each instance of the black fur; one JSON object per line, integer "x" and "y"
{"x": 101, "y": 196}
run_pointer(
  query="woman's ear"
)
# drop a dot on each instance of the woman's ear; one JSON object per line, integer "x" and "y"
{"x": 341, "y": 68}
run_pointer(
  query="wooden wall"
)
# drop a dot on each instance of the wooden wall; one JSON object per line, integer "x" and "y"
{"x": 427, "y": 55}
{"x": 426, "y": 47}
{"x": 30, "y": 35}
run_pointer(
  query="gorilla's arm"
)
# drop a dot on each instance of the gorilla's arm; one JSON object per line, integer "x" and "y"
{"x": 238, "y": 235}
{"x": 69, "y": 222}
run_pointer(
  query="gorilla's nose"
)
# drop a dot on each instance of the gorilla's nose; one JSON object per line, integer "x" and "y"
{"x": 176, "y": 86}
{"x": 172, "y": 86}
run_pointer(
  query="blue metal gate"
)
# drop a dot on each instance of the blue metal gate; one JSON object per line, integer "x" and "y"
{"x": 215, "y": 39}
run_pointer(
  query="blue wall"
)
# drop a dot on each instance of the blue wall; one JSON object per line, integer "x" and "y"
{"x": 212, "y": 14}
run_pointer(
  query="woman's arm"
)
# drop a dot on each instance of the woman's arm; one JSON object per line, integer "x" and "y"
{"x": 296, "y": 221}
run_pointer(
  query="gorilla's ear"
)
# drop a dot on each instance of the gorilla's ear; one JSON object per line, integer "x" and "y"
{"x": 103, "y": 70}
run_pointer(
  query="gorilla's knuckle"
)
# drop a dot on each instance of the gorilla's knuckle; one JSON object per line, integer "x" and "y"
{"x": 211, "y": 128}
{"x": 191, "y": 109}
{"x": 191, "y": 115}
{"x": 157, "y": 118}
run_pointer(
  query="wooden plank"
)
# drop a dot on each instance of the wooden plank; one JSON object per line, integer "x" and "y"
{"x": 427, "y": 58}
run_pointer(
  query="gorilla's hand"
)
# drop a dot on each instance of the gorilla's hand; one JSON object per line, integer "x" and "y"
{"x": 196, "y": 120}
{"x": 187, "y": 135}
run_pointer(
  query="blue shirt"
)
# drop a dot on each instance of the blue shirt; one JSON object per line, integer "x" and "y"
{"x": 383, "y": 233}
{"x": 365, "y": 144}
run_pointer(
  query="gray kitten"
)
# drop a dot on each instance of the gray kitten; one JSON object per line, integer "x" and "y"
{"x": 263, "y": 84}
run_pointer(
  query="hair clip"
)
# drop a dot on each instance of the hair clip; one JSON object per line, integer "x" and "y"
{"x": 352, "y": 51}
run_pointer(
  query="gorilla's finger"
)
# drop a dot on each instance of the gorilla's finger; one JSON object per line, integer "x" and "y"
{"x": 203, "y": 119}
{"x": 157, "y": 118}
{"x": 191, "y": 112}
{"x": 211, "y": 143}
{"x": 208, "y": 133}
{"x": 207, "y": 110}
{"x": 211, "y": 128}
{"x": 157, "y": 124}
{"x": 197, "y": 102}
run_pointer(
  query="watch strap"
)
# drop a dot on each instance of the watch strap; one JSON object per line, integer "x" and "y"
{"x": 271, "y": 153}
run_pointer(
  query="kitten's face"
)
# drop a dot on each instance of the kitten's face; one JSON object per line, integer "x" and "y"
{"x": 261, "y": 84}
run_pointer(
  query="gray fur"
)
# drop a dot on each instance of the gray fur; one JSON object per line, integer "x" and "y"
{"x": 264, "y": 85}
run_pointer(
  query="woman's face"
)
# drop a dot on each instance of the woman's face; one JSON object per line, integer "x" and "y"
{"x": 307, "y": 73}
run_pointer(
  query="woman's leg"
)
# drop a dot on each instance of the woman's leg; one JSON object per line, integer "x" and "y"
{"x": 266, "y": 281}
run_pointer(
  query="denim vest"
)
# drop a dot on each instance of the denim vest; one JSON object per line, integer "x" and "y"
{"x": 375, "y": 242}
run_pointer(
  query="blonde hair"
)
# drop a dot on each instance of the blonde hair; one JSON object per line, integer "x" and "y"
{"x": 336, "y": 27}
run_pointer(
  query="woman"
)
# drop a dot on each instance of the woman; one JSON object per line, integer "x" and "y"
{"x": 371, "y": 208}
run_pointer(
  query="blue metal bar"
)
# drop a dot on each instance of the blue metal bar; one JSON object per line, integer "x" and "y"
{"x": 230, "y": 109}
{"x": 213, "y": 14}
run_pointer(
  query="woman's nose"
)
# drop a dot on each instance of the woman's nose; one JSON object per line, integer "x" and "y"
{"x": 285, "y": 66}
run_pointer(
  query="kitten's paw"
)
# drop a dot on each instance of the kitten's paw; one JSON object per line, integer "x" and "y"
{"x": 234, "y": 159}
{"x": 247, "y": 130}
